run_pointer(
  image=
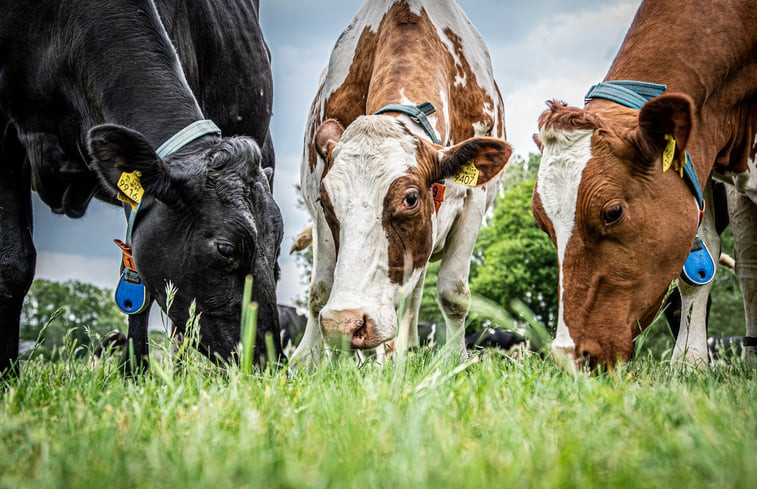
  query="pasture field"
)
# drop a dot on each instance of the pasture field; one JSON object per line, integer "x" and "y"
{"x": 423, "y": 422}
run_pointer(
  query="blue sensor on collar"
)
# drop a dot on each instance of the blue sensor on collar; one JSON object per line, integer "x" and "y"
{"x": 699, "y": 268}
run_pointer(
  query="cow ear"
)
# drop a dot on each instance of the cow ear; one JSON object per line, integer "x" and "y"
{"x": 665, "y": 116}
{"x": 327, "y": 136}
{"x": 475, "y": 161}
{"x": 116, "y": 150}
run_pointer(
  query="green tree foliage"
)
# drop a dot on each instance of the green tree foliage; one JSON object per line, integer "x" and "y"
{"x": 513, "y": 258}
{"x": 73, "y": 309}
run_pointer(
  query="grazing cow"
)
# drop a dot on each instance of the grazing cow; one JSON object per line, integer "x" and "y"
{"x": 622, "y": 221}
{"x": 291, "y": 326}
{"x": 494, "y": 338}
{"x": 407, "y": 107}
{"x": 725, "y": 348}
{"x": 88, "y": 90}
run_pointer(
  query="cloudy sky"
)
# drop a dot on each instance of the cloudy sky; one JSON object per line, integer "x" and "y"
{"x": 540, "y": 49}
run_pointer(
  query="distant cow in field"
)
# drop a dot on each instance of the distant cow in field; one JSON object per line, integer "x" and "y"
{"x": 403, "y": 152}
{"x": 623, "y": 182}
{"x": 292, "y": 326}
{"x": 95, "y": 102}
{"x": 494, "y": 338}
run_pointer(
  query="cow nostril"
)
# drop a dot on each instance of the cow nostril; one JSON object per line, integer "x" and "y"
{"x": 358, "y": 337}
{"x": 361, "y": 335}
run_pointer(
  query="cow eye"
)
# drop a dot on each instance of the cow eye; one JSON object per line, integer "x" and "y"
{"x": 411, "y": 199}
{"x": 226, "y": 250}
{"x": 612, "y": 213}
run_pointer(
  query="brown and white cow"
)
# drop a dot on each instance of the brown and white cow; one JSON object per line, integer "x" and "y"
{"x": 367, "y": 179}
{"x": 622, "y": 226}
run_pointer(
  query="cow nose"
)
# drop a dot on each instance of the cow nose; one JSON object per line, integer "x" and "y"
{"x": 351, "y": 326}
{"x": 566, "y": 357}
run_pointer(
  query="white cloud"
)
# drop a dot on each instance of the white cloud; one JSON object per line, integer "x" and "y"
{"x": 559, "y": 57}
{"x": 291, "y": 286}
{"x": 59, "y": 267}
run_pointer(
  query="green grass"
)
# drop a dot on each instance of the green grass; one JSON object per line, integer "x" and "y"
{"x": 492, "y": 422}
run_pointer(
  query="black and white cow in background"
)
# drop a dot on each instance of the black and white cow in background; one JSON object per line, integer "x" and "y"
{"x": 88, "y": 90}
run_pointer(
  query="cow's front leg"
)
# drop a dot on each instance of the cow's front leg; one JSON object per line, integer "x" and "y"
{"x": 17, "y": 253}
{"x": 691, "y": 342}
{"x": 407, "y": 329}
{"x": 452, "y": 285}
{"x": 135, "y": 359}
{"x": 743, "y": 214}
{"x": 322, "y": 279}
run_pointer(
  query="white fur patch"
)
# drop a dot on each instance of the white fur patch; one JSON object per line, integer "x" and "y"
{"x": 562, "y": 164}
{"x": 374, "y": 151}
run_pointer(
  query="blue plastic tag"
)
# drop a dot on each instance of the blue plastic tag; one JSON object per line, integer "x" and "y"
{"x": 699, "y": 268}
{"x": 131, "y": 295}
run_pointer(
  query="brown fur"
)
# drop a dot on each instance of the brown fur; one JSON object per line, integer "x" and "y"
{"x": 616, "y": 275}
{"x": 408, "y": 230}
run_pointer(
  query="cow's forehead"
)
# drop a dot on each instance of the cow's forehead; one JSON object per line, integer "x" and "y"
{"x": 373, "y": 152}
{"x": 565, "y": 157}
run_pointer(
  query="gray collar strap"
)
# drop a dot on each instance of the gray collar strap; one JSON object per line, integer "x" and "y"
{"x": 418, "y": 113}
{"x": 193, "y": 131}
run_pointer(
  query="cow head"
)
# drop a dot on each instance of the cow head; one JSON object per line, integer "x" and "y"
{"x": 206, "y": 221}
{"x": 376, "y": 196}
{"x": 622, "y": 226}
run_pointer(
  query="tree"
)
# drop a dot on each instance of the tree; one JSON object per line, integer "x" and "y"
{"x": 71, "y": 308}
{"x": 513, "y": 258}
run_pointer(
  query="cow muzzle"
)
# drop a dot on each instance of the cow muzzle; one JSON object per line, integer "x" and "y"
{"x": 351, "y": 328}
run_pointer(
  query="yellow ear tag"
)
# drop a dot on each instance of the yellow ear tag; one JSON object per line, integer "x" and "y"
{"x": 668, "y": 153}
{"x": 131, "y": 188}
{"x": 467, "y": 175}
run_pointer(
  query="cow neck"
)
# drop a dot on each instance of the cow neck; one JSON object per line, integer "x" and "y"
{"x": 699, "y": 268}
{"x": 663, "y": 45}
{"x": 131, "y": 295}
{"x": 419, "y": 114}
{"x": 133, "y": 75}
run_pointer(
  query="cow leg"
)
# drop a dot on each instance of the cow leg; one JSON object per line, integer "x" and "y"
{"x": 322, "y": 279}
{"x": 407, "y": 330}
{"x": 691, "y": 342}
{"x": 136, "y": 355}
{"x": 743, "y": 213}
{"x": 452, "y": 285}
{"x": 17, "y": 254}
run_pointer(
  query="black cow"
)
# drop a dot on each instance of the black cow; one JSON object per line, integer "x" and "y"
{"x": 88, "y": 90}
{"x": 292, "y": 327}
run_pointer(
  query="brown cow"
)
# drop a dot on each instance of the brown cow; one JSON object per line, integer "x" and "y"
{"x": 368, "y": 179}
{"x": 623, "y": 227}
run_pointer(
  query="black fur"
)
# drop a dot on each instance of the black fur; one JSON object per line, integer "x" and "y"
{"x": 108, "y": 69}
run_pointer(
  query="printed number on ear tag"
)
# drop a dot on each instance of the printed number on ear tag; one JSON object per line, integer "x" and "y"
{"x": 131, "y": 294}
{"x": 699, "y": 268}
{"x": 467, "y": 175}
{"x": 131, "y": 188}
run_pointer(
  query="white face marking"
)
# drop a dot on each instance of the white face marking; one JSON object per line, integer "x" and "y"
{"x": 562, "y": 164}
{"x": 374, "y": 151}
